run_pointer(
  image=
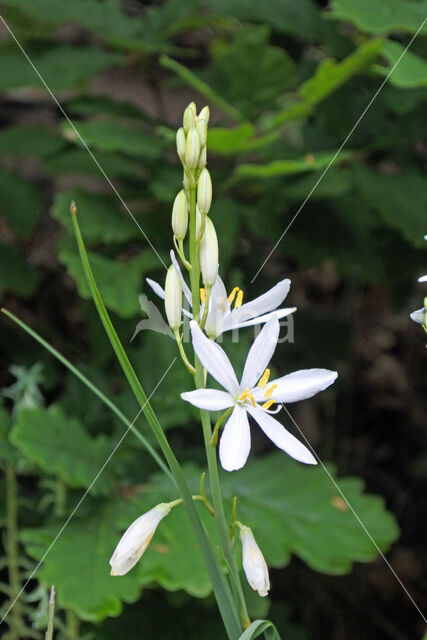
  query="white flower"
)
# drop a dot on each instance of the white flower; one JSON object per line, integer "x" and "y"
{"x": 221, "y": 317}
{"x": 419, "y": 316}
{"x": 254, "y": 565}
{"x": 136, "y": 539}
{"x": 245, "y": 396}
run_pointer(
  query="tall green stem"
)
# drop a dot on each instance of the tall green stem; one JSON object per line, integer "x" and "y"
{"x": 73, "y": 625}
{"x": 12, "y": 550}
{"x": 220, "y": 519}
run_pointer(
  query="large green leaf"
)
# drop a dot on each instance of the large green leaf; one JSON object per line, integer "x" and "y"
{"x": 115, "y": 134}
{"x": 410, "y": 70}
{"x": 119, "y": 282}
{"x": 20, "y": 202}
{"x": 27, "y": 140}
{"x": 60, "y": 445}
{"x": 78, "y": 161}
{"x": 100, "y": 221}
{"x": 15, "y": 273}
{"x": 61, "y": 67}
{"x": 383, "y": 16}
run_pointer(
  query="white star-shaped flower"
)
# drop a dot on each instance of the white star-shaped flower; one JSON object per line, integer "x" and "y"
{"x": 221, "y": 317}
{"x": 245, "y": 397}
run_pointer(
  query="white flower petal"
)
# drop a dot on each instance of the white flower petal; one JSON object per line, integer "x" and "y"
{"x": 209, "y": 399}
{"x": 419, "y": 315}
{"x": 214, "y": 359}
{"x": 185, "y": 288}
{"x": 268, "y": 301}
{"x": 279, "y": 313}
{"x": 281, "y": 437}
{"x": 260, "y": 353}
{"x": 422, "y": 279}
{"x": 156, "y": 288}
{"x": 235, "y": 442}
{"x": 299, "y": 385}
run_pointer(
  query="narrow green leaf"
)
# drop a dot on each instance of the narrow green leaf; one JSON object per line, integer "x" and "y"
{"x": 311, "y": 162}
{"x": 259, "y": 627}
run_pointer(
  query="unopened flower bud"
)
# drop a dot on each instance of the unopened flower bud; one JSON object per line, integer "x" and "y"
{"x": 173, "y": 298}
{"x": 254, "y": 565}
{"x": 136, "y": 539}
{"x": 202, "y": 129}
{"x": 202, "y": 158}
{"x": 180, "y": 143}
{"x": 204, "y": 114}
{"x": 180, "y": 215}
{"x": 189, "y": 117}
{"x": 204, "y": 191}
{"x": 199, "y": 219}
{"x": 208, "y": 254}
{"x": 192, "y": 148}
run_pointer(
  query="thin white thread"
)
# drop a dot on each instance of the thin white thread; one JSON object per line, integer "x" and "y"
{"x": 338, "y": 151}
{"x": 61, "y": 531}
{"x": 70, "y": 122}
{"x": 358, "y": 518}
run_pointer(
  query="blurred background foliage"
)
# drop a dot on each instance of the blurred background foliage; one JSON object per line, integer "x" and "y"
{"x": 286, "y": 82}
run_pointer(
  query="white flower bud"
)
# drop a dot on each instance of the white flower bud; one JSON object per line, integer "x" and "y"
{"x": 202, "y": 129}
{"x": 192, "y": 148}
{"x": 180, "y": 143}
{"x": 204, "y": 114}
{"x": 199, "y": 219}
{"x": 189, "y": 117}
{"x": 208, "y": 254}
{"x": 254, "y": 565}
{"x": 202, "y": 158}
{"x": 173, "y": 298}
{"x": 204, "y": 191}
{"x": 136, "y": 539}
{"x": 180, "y": 215}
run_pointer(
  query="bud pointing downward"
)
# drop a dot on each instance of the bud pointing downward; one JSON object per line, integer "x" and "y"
{"x": 254, "y": 565}
{"x": 208, "y": 254}
{"x": 180, "y": 216}
{"x": 136, "y": 539}
{"x": 173, "y": 298}
{"x": 204, "y": 191}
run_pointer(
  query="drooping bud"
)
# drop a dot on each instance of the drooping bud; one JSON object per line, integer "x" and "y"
{"x": 173, "y": 298}
{"x": 208, "y": 254}
{"x": 189, "y": 117}
{"x": 202, "y": 129}
{"x": 136, "y": 539}
{"x": 204, "y": 191}
{"x": 192, "y": 148}
{"x": 254, "y": 565}
{"x": 181, "y": 139}
{"x": 180, "y": 215}
{"x": 205, "y": 114}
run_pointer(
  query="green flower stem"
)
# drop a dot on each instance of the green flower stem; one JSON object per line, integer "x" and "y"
{"x": 109, "y": 403}
{"x": 221, "y": 522}
{"x": 13, "y": 551}
{"x": 73, "y": 625}
{"x": 182, "y": 353}
{"x": 225, "y": 603}
{"x": 51, "y": 615}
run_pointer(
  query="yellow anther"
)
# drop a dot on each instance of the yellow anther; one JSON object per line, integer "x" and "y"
{"x": 239, "y": 299}
{"x": 203, "y": 295}
{"x": 269, "y": 391}
{"x": 264, "y": 379}
{"x": 268, "y": 404}
{"x": 233, "y": 294}
{"x": 246, "y": 395}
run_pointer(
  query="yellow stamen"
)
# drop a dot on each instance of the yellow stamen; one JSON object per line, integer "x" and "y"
{"x": 233, "y": 294}
{"x": 269, "y": 391}
{"x": 268, "y": 404}
{"x": 246, "y": 395}
{"x": 239, "y": 299}
{"x": 264, "y": 379}
{"x": 203, "y": 295}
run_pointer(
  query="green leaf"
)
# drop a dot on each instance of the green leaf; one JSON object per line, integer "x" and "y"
{"x": 15, "y": 273}
{"x": 101, "y": 220}
{"x": 382, "y": 17}
{"x": 119, "y": 282}
{"x": 111, "y": 134}
{"x": 329, "y": 76}
{"x": 410, "y": 71}
{"x": 78, "y": 161}
{"x": 20, "y": 203}
{"x": 259, "y": 627}
{"x": 27, "y": 140}
{"x": 60, "y": 445}
{"x": 311, "y": 162}
{"x": 8, "y": 453}
{"x": 61, "y": 67}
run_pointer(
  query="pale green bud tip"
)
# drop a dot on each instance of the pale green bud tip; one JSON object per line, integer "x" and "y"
{"x": 136, "y": 539}
{"x": 205, "y": 114}
{"x": 193, "y": 107}
{"x": 180, "y": 215}
{"x": 192, "y": 148}
{"x": 181, "y": 139}
{"x": 189, "y": 117}
{"x": 204, "y": 191}
{"x": 208, "y": 254}
{"x": 173, "y": 298}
